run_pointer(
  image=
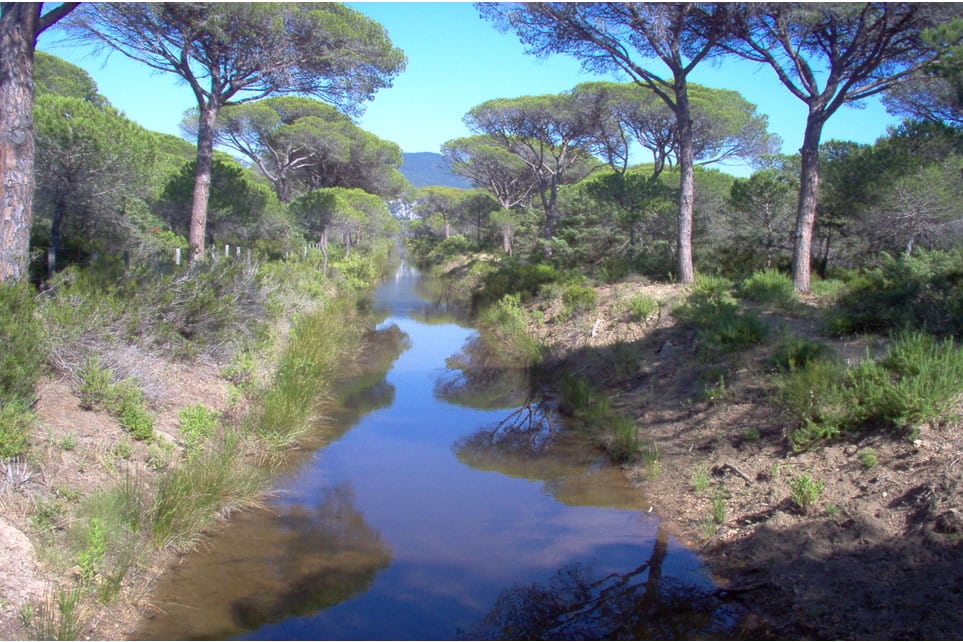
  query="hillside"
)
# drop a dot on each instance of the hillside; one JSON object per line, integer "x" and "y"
{"x": 424, "y": 169}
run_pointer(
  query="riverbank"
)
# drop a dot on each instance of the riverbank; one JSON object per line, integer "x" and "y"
{"x": 851, "y": 539}
{"x": 94, "y": 514}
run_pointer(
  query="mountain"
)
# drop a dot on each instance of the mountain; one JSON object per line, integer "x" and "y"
{"x": 424, "y": 169}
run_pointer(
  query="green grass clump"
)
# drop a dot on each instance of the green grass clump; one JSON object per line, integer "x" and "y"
{"x": 16, "y": 424}
{"x": 919, "y": 380}
{"x": 57, "y": 617}
{"x": 194, "y": 496}
{"x": 796, "y": 352}
{"x": 867, "y": 457}
{"x": 123, "y": 400}
{"x": 516, "y": 278}
{"x": 504, "y": 329}
{"x": 592, "y": 411}
{"x": 769, "y": 287}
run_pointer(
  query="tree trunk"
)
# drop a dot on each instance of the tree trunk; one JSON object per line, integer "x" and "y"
{"x": 202, "y": 179}
{"x": 18, "y": 26}
{"x": 507, "y": 239}
{"x": 686, "y": 184}
{"x": 56, "y": 225}
{"x": 806, "y": 209}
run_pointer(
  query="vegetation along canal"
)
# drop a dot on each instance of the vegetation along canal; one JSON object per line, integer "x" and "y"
{"x": 417, "y": 522}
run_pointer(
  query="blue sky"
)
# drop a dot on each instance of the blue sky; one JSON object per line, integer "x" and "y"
{"x": 456, "y": 61}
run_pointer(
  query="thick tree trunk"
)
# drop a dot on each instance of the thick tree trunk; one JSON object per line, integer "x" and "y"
{"x": 18, "y": 25}
{"x": 806, "y": 209}
{"x": 202, "y": 180}
{"x": 686, "y": 184}
{"x": 507, "y": 239}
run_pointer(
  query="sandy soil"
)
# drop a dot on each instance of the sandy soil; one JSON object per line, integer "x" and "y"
{"x": 881, "y": 554}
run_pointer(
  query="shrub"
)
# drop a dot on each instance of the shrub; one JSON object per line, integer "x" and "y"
{"x": 21, "y": 342}
{"x": 720, "y": 323}
{"x": 867, "y": 457}
{"x": 504, "y": 330}
{"x": 640, "y": 307}
{"x": 923, "y": 291}
{"x": 514, "y": 277}
{"x": 919, "y": 380}
{"x": 16, "y": 422}
{"x": 197, "y": 424}
{"x": 579, "y": 299}
{"x": 123, "y": 400}
{"x": 806, "y": 492}
{"x": 796, "y": 352}
{"x": 769, "y": 287}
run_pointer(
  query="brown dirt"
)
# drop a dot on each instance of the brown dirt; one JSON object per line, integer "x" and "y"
{"x": 879, "y": 557}
{"x": 73, "y": 454}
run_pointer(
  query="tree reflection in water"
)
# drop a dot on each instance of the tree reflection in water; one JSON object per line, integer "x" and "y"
{"x": 641, "y": 604}
{"x": 330, "y": 554}
{"x": 476, "y": 378}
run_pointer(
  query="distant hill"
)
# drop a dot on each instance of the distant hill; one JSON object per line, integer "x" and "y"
{"x": 424, "y": 169}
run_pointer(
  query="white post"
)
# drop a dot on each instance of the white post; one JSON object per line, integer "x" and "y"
{"x": 227, "y": 251}
{"x": 177, "y": 256}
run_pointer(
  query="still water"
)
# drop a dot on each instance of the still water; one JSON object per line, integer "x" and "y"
{"x": 413, "y": 522}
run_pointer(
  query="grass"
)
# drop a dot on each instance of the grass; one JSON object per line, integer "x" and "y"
{"x": 700, "y": 479}
{"x": 640, "y": 307}
{"x": 204, "y": 489}
{"x": 771, "y": 288}
{"x": 197, "y": 425}
{"x": 58, "y": 617}
{"x": 867, "y": 458}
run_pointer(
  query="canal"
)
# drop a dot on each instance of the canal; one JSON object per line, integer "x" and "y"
{"x": 414, "y": 520}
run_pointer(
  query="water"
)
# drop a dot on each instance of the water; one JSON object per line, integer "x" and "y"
{"x": 415, "y": 524}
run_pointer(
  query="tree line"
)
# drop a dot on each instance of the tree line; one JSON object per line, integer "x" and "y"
{"x": 277, "y": 84}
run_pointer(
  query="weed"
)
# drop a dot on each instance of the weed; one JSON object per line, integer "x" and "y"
{"x": 122, "y": 449}
{"x": 751, "y": 434}
{"x": 67, "y": 494}
{"x": 700, "y": 479}
{"x": 55, "y": 618}
{"x": 796, "y": 352}
{"x": 93, "y": 552}
{"x": 719, "y": 509}
{"x": 579, "y": 299}
{"x": 96, "y": 384}
{"x": 806, "y": 492}
{"x": 197, "y": 425}
{"x": 867, "y": 457}
{"x": 652, "y": 460}
{"x": 68, "y": 442}
{"x": 47, "y": 515}
{"x": 775, "y": 471}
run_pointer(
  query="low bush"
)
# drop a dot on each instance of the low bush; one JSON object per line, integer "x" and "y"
{"x": 197, "y": 425}
{"x": 806, "y": 492}
{"x": 722, "y": 326}
{"x": 769, "y": 287}
{"x": 579, "y": 299}
{"x": 22, "y": 351}
{"x": 796, "y": 352}
{"x": 922, "y": 291}
{"x": 640, "y": 307}
{"x": 504, "y": 330}
{"x": 16, "y": 424}
{"x": 919, "y": 380}
{"x": 516, "y": 278}
{"x": 123, "y": 400}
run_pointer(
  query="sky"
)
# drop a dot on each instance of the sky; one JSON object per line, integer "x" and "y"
{"x": 456, "y": 61}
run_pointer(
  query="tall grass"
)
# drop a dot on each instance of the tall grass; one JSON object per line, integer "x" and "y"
{"x": 504, "y": 329}
{"x": 204, "y": 489}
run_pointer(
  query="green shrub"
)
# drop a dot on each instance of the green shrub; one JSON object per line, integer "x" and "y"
{"x": 579, "y": 299}
{"x": 456, "y": 245}
{"x": 919, "y": 380}
{"x": 867, "y": 457}
{"x": 769, "y": 287}
{"x": 504, "y": 330}
{"x": 923, "y": 291}
{"x": 16, "y": 423}
{"x": 197, "y": 425}
{"x": 796, "y": 352}
{"x": 640, "y": 307}
{"x": 22, "y": 348}
{"x": 96, "y": 384}
{"x": 522, "y": 279}
{"x": 806, "y": 492}
{"x": 722, "y": 326}
{"x": 123, "y": 400}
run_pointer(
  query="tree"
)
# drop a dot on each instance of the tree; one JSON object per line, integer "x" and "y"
{"x": 626, "y": 37}
{"x": 241, "y": 52}
{"x": 497, "y": 171}
{"x": 935, "y": 92}
{"x": 549, "y": 134}
{"x": 20, "y": 24}
{"x": 315, "y": 211}
{"x": 829, "y": 55}
{"x": 90, "y": 160}
{"x": 438, "y": 202}
{"x": 763, "y": 203}
{"x": 300, "y": 143}
{"x": 52, "y": 75}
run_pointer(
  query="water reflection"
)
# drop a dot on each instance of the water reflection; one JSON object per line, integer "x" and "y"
{"x": 578, "y": 604}
{"x": 477, "y": 379}
{"x": 307, "y": 558}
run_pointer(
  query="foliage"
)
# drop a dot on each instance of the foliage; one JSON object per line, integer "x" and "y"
{"x": 16, "y": 422}
{"x": 197, "y": 425}
{"x": 194, "y": 496}
{"x": 123, "y": 400}
{"x": 798, "y": 352}
{"x": 517, "y": 278}
{"x": 919, "y": 380}
{"x": 921, "y": 291}
{"x": 578, "y": 298}
{"x": 53, "y": 75}
{"x": 867, "y": 458}
{"x": 57, "y": 617}
{"x": 721, "y": 324}
{"x": 505, "y": 331}
{"x": 769, "y": 287}
{"x": 806, "y": 491}
{"x": 640, "y": 307}
{"x": 22, "y": 351}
